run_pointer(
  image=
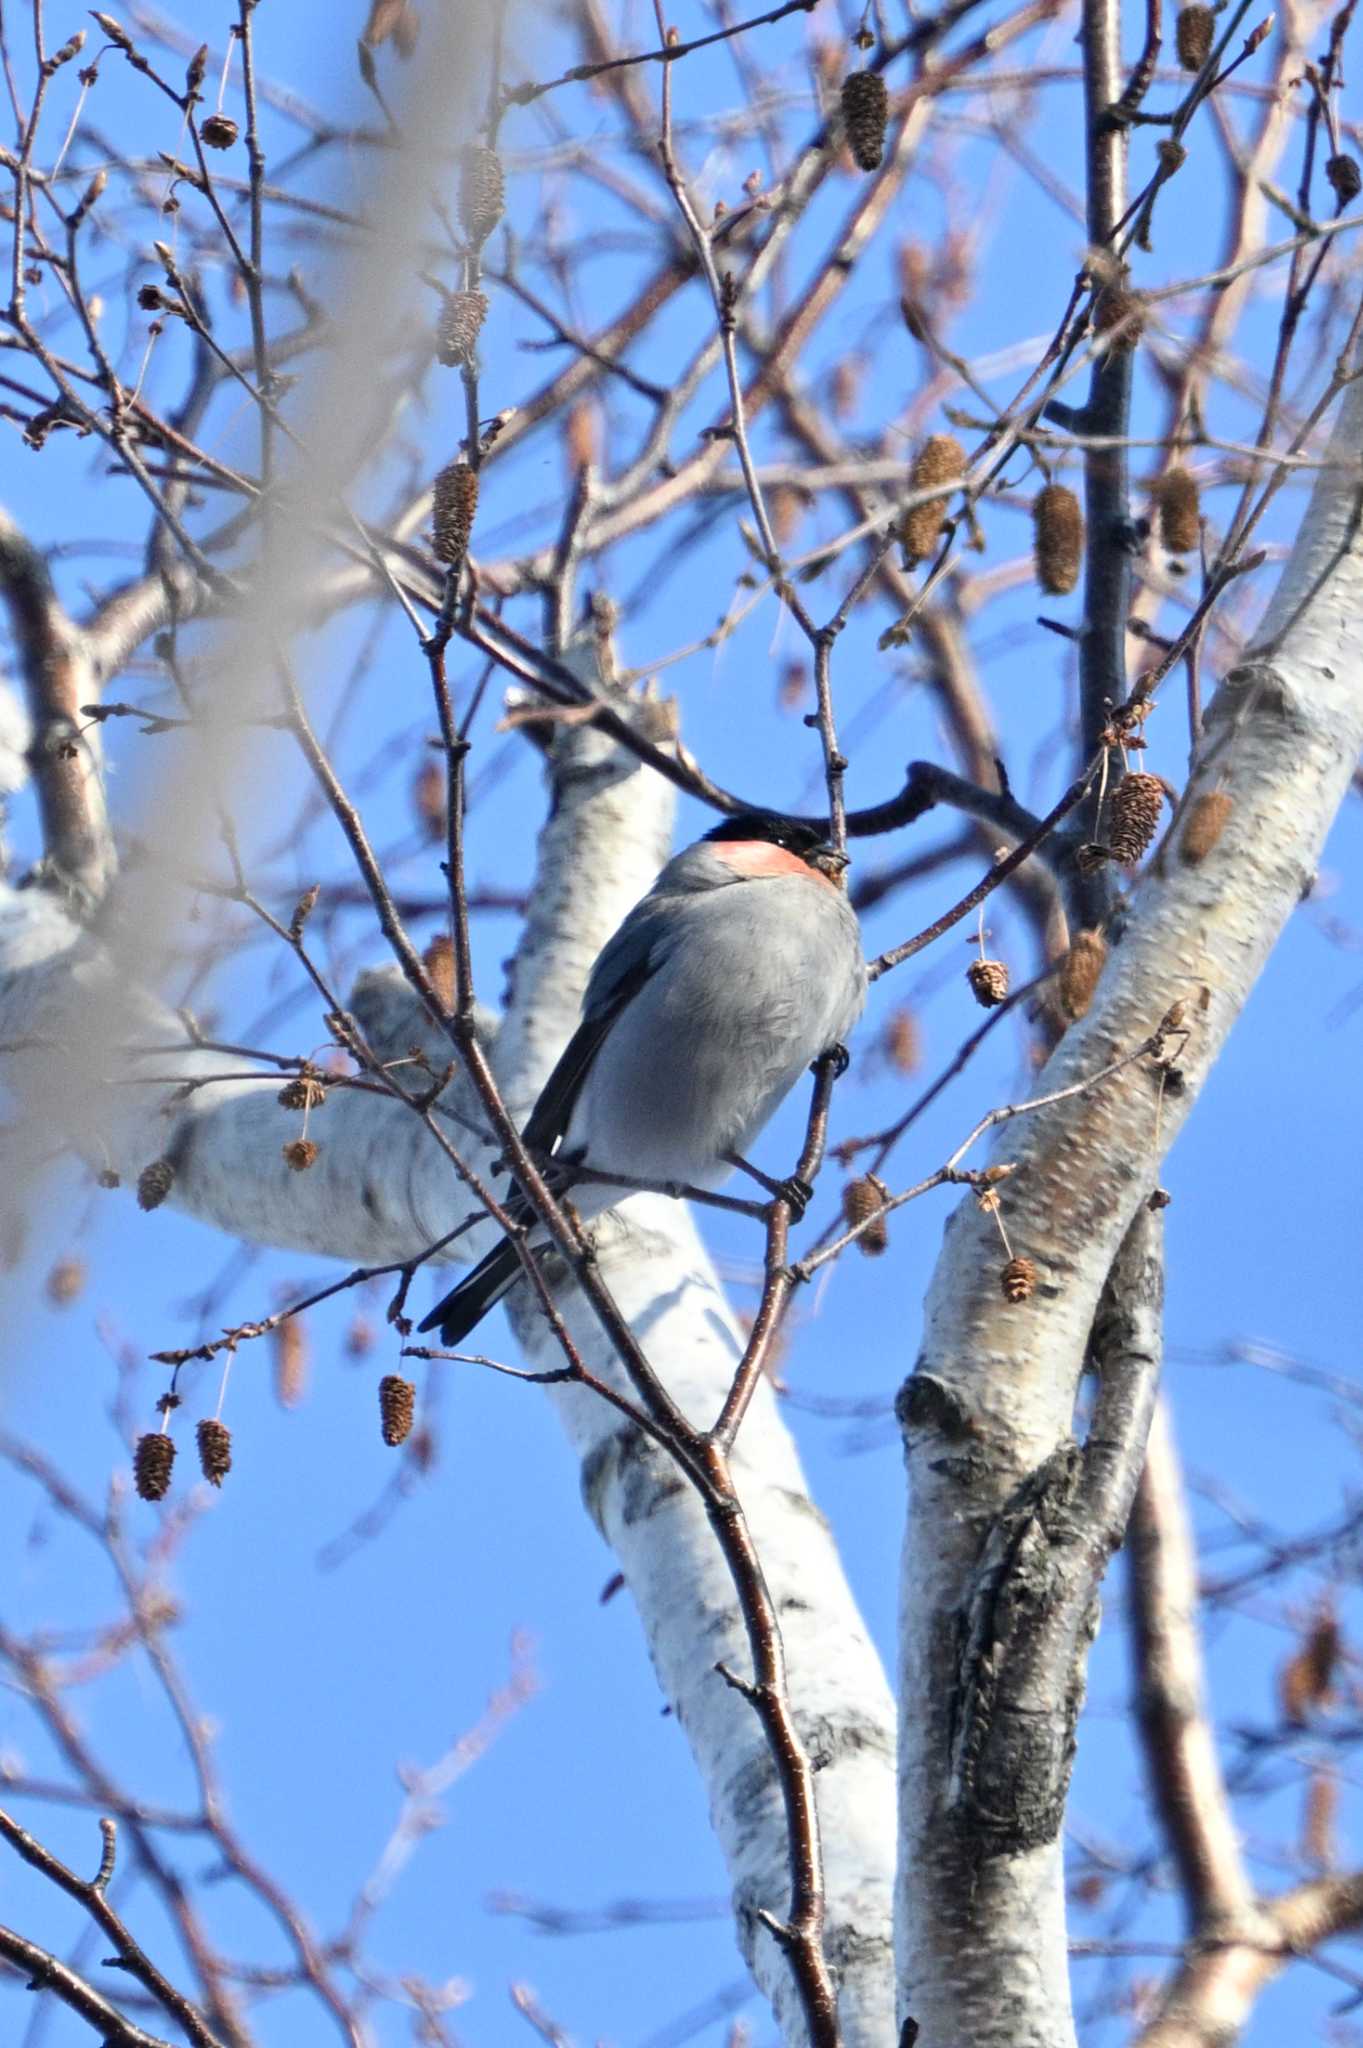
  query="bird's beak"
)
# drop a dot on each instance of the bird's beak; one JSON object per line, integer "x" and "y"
{"x": 831, "y": 863}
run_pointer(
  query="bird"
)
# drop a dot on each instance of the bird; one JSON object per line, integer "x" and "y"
{"x": 739, "y": 970}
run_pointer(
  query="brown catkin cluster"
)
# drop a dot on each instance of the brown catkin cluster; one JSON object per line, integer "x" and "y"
{"x": 1307, "y": 1679}
{"x": 1018, "y": 1279}
{"x": 438, "y": 960}
{"x": 397, "y": 1408}
{"x": 219, "y": 131}
{"x": 903, "y": 1041}
{"x": 1079, "y": 971}
{"x": 1345, "y": 177}
{"x": 305, "y": 1091}
{"x": 860, "y": 1199}
{"x": 65, "y": 1282}
{"x": 1057, "y": 539}
{"x": 1179, "y": 509}
{"x": 290, "y": 1347}
{"x": 1133, "y": 816}
{"x": 865, "y": 110}
{"x": 214, "y": 1440}
{"x": 482, "y": 191}
{"x": 1206, "y": 821}
{"x": 988, "y": 982}
{"x": 940, "y": 459}
{"x": 1118, "y": 312}
{"x": 154, "y": 1183}
{"x": 152, "y": 1463}
{"x": 299, "y": 1154}
{"x": 461, "y": 321}
{"x": 1193, "y": 36}
{"x": 456, "y": 503}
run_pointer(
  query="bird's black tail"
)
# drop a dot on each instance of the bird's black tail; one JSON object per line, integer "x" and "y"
{"x": 464, "y": 1307}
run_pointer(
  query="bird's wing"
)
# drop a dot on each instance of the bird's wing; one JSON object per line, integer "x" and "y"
{"x": 626, "y": 962}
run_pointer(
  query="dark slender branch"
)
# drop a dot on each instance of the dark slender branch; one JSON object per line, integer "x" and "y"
{"x": 45, "y": 1972}
{"x": 998, "y": 874}
{"x": 130, "y": 1955}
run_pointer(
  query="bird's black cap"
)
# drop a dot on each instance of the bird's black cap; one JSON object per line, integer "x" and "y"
{"x": 792, "y": 833}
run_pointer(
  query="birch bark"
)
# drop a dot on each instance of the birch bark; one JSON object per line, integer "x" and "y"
{"x": 988, "y": 1411}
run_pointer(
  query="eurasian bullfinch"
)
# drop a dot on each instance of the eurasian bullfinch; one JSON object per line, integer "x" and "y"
{"x": 738, "y": 969}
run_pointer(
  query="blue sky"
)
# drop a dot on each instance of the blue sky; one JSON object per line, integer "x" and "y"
{"x": 318, "y": 1678}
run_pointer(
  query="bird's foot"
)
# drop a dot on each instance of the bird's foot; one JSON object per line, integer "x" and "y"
{"x": 796, "y": 1193}
{"x": 837, "y": 1058}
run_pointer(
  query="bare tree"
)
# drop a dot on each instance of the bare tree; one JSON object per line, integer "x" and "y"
{"x": 279, "y": 339}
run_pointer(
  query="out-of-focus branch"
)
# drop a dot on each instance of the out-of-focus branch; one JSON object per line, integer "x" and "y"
{"x": 1214, "y": 1991}
{"x": 46, "y": 1972}
{"x": 58, "y": 678}
{"x": 1186, "y": 1780}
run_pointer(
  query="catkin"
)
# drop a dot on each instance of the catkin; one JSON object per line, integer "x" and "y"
{"x": 1193, "y": 36}
{"x": 305, "y": 1091}
{"x": 1078, "y": 973}
{"x": 152, "y": 1461}
{"x": 1018, "y": 1279}
{"x": 862, "y": 1198}
{"x": 154, "y": 1183}
{"x": 988, "y": 982}
{"x": 456, "y": 504}
{"x": 1345, "y": 178}
{"x": 1206, "y": 821}
{"x": 1057, "y": 539}
{"x": 1118, "y": 312}
{"x": 438, "y": 960}
{"x": 865, "y": 111}
{"x": 940, "y": 460}
{"x": 1133, "y": 816}
{"x": 397, "y": 1408}
{"x": 457, "y": 331}
{"x": 482, "y": 191}
{"x": 214, "y": 1441}
{"x": 1180, "y": 516}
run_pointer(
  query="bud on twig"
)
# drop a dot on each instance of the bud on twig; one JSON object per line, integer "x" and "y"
{"x": 303, "y": 910}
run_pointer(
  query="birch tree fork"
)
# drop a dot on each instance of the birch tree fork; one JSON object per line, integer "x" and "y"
{"x": 989, "y": 1410}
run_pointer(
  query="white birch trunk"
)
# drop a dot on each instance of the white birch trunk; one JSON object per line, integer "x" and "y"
{"x": 980, "y": 1929}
